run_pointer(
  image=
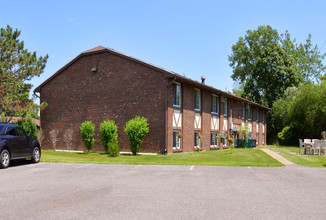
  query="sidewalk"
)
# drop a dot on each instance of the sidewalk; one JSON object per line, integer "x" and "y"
{"x": 278, "y": 157}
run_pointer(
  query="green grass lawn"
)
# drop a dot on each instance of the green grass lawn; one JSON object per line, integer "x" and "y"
{"x": 236, "y": 157}
{"x": 291, "y": 153}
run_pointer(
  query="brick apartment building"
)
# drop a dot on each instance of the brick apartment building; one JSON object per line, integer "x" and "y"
{"x": 102, "y": 84}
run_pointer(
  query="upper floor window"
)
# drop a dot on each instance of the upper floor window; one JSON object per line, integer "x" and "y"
{"x": 176, "y": 94}
{"x": 197, "y": 99}
{"x": 215, "y": 104}
{"x": 249, "y": 112}
{"x": 263, "y": 116}
{"x": 225, "y": 107}
{"x": 257, "y": 117}
{"x": 243, "y": 112}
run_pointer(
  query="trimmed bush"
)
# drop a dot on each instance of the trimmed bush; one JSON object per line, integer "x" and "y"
{"x": 109, "y": 137}
{"x": 29, "y": 127}
{"x": 113, "y": 148}
{"x": 87, "y": 129}
{"x": 136, "y": 129}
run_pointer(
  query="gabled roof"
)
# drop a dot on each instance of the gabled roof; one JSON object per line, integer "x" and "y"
{"x": 168, "y": 74}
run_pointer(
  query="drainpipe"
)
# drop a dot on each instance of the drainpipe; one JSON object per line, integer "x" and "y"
{"x": 166, "y": 113}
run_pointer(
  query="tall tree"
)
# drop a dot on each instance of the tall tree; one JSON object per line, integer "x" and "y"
{"x": 17, "y": 65}
{"x": 266, "y": 63}
{"x": 262, "y": 67}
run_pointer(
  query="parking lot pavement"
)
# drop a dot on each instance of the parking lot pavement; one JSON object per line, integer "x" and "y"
{"x": 93, "y": 191}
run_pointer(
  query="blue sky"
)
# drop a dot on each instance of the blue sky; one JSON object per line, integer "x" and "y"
{"x": 188, "y": 37}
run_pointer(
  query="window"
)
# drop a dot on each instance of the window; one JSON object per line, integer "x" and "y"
{"x": 197, "y": 139}
{"x": 243, "y": 111}
{"x": 257, "y": 117}
{"x": 263, "y": 139}
{"x": 176, "y": 94}
{"x": 1, "y": 127}
{"x": 225, "y": 107}
{"x": 215, "y": 104}
{"x": 224, "y": 141}
{"x": 176, "y": 140}
{"x": 249, "y": 112}
{"x": 11, "y": 131}
{"x": 197, "y": 100}
{"x": 263, "y": 116}
{"x": 257, "y": 139}
{"x": 214, "y": 141}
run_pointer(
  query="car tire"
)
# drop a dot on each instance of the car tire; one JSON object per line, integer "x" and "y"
{"x": 36, "y": 155}
{"x": 4, "y": 159}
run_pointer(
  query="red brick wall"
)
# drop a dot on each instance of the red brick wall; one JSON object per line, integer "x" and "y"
{"x": 119, "y": 90}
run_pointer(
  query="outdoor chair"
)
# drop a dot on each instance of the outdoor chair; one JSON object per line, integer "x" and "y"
{"x": 323, "y": 146}
{"x": 307, "y": 145}
{"x": 315, "y": 147}
{"x": 301, "y": 146}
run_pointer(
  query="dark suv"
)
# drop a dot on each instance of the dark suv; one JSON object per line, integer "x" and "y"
{"x": 15, "y": 143}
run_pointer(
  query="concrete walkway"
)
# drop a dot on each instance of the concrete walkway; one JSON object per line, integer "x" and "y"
{"x": 277, "y": 157}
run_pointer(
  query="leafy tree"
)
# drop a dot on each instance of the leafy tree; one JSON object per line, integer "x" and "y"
{"x": 265, "y": 63}
{"x": 29, "y": 127}
{"x": 18, "y": 65}
{"x": 307, "y": 111}
{"x": 307, "y": 57}
{"x": 87, "y": 129}
{"x": 136, "y": 129}
{"x": 262, "y": 67}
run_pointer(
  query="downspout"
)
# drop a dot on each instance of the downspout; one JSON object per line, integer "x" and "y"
{"x": 166, "y": 113}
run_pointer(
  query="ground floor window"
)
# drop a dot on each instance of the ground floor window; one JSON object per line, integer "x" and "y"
{"x": 176, "y": 140}
{"x": 197, "y": 139}
{"x": 224, "y": 141}
{"x": 263, "y": 139}
{"x": 257, "y": 140}
{"x": 214, "y": 141}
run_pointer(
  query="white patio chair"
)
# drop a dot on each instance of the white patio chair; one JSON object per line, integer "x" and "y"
{"x": 301, "y": 146}
{"x": 315, "y": 147}
{"x": 323, "y": 146}
{"x": 307, "y": 145}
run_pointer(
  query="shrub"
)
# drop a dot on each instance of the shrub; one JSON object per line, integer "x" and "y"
{"x": 136, "y": 129}
{"x": 87, "y": 129}
{"x": 288, "y": 136}
{"x": 29, "y": 127}
{"x": 113, "y": 148}
{"x": 109, "y": 137}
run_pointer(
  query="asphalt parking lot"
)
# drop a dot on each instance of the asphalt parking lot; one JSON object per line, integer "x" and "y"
{"x": 93, "y": 191}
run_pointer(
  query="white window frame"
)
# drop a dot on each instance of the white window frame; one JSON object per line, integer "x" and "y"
{"x": 249, "y": 112}
{"x": 175, "y": 93}
{"x": 196, "y": 139}
{"x": 197, "y": 99}
{"x": 214, "y": 134}
{"x": 257, "y": 139}
{"x": 225, "y": 106}
{"x": 176, "y": 140}
{"x": 243, "y": 112}
{"x": 217, "y": 104}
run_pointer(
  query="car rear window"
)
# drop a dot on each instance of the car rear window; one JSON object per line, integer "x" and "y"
{"x": 1, "y": 127}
